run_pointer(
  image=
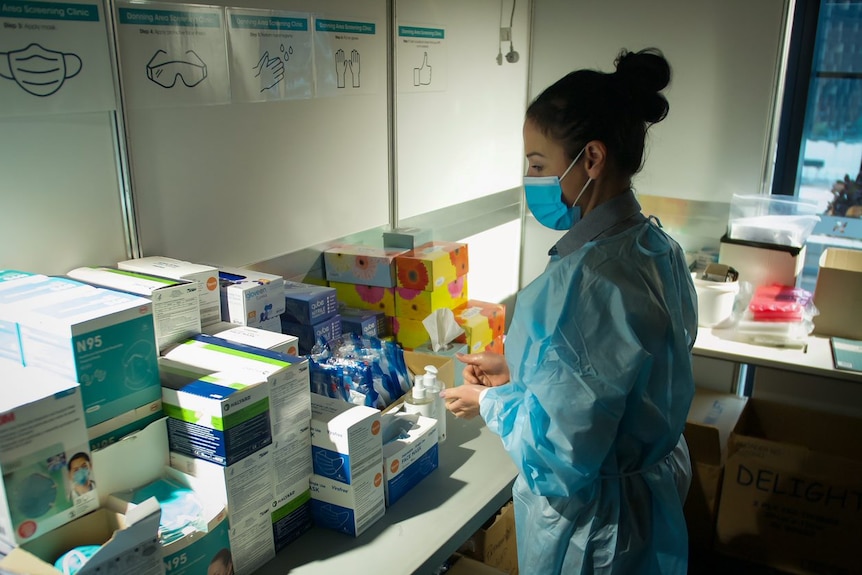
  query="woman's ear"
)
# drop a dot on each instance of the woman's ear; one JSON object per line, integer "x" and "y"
{"x": 596, "y": 154}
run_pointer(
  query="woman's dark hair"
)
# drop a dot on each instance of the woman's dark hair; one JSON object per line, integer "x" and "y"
{"x": 616, "y": 108}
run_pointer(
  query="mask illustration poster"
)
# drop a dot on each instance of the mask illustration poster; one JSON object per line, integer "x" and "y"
{"x": 54, "y": 58}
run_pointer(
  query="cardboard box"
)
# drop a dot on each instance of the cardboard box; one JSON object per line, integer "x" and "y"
{"x": 836, "y": 297}
{"x": 250, "y": 297}
{"x": 358, "y": 264}
{"x": 328, "y": 330}
{"x": 419, "y": 304}
{"x": 43, "y": 451}
{"x": 176, "y": 303}
{"x": 111, "y": 431}
{"x": 407, "y": 461}
{"x": 349, "y": 509}
{"x": 495, "y": 544}
{"x": 791, "y": 496}
{"x": 467, "y": 566}
{"x": 128, "y": 540}
{"x": 432, "y": 265}
{"x": 762, "y": 264}
{"x": 406, "y": 238}
{"x": 292, "y": 519}
{"x": 448, "y": 353}
{"x": 416, "y": 362}
{"x": 205, "y": 276}
{"x": 103, "y": 339}
{"x": 308, "y": 304}
{"x": 711, "y": 418}
{"x": 255, "y": 337}
{"x": 374, "y": 298}
{"x": 286, "y": 375}
{"x": 364, "y": 322}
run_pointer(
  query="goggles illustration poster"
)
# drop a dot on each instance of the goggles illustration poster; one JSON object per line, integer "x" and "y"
{"x": 172, "y": 54}
{"x": 54, "y": 58}
{"x": 422, "y": 58}
{"x": 270, "y": 55}
{"x": 348, "y": 57}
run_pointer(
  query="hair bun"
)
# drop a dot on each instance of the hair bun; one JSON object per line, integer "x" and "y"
{"x": 645, "y": 74}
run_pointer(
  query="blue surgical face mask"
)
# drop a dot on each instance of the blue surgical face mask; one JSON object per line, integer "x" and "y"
{"x": 81, "y": 476}
{"x": 545, "y": 199}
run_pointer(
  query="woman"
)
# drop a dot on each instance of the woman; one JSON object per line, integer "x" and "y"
{"x": 592, "y": 395}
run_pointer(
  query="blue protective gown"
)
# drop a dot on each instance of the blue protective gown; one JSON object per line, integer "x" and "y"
{"x": 599, "y": 352}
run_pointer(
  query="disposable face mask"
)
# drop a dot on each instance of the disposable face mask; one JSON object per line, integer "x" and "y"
{"x": 164, "y": 70}
{"x": 545, "y": 199}
{"x": 35, "y": 496}
{"x": 81, "y": 476}
{"x": 39, "y": 71}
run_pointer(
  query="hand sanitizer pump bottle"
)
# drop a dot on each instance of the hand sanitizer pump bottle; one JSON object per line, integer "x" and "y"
{"x": 433, "y": 387}
{"x": 418, "y": 401}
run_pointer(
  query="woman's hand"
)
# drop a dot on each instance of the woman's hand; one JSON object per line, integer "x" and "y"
{"x": 486, "y": 368}
{"x": 463, "y": 401}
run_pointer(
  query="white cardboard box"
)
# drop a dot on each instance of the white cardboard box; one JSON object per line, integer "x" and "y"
{"x": 346, "y": 440}
{"x": 176, "y": 303}
{"x": 205, "y": 276}
{"x": 250, "y": 297}
{"x": 349, "y": 509}
{"x": 104, "y": 340}
{"x": 287, "y": 376}
{"x": 408, "y": 461}
{"x": 255, "y": 337}
{"x": 43, "y": 443}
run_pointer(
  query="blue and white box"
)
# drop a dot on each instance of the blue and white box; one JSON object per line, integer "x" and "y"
{"x": 286, "y": 376}
{"x": 364, "y": 322}
{"x": 176, "y": 303}
{"x": 347, "y": 492}
{"x": 250, "y": 297}
{"x": 103, "y": 339}
{"x": 222, "y": 417}
{"x": 408, "y": 460}
{"x": 328, "y": 330}
{"x": 308, "y": 303}
{"x": 47, "y": 474}
{"x": 205, "y": 276}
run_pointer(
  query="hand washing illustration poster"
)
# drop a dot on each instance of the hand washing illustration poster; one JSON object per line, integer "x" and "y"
{"x": 270, "y": 55}
{"x": 172, "y": 54}
{"x": 54, "y": 58}
{"x": 348, "y": 57}
{"x": 422, "y": 58}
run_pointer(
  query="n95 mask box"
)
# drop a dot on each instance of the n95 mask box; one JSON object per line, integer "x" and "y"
{"x": 176, "y": 306}
{"x": 101, "y": 338}
{"x": 48, "y": 477}
{"x": 249, "y": 297}
{"x": 205, "y": 276}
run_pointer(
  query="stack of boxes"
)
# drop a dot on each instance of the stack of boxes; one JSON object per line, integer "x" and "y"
{"x": 484, "y": 325}
{"x": 251, "y": 298}
{"x": 101, "y": 338}
{"x": 364, "y": 278}
{"x": 347, "y": 491}
{"x": 239, "y": 421}
{"x": 310, "y": 312}
{"x": 432, "y": 276}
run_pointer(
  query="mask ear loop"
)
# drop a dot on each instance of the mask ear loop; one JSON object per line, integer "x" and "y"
{"x": 569, "y": 169}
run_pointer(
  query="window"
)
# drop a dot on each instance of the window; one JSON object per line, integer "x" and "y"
{"x": 820, "y": 137}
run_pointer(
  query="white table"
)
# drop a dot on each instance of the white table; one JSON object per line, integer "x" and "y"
{"x": 424, "y": 528}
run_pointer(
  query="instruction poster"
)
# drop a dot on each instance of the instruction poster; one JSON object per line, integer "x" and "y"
{"x": 348, "y": 57}
{"x": 172, "y": 55}
{"x": 270, "y": 55}
{"x": 54, "y": 58}
{"x": 422, "y": 58}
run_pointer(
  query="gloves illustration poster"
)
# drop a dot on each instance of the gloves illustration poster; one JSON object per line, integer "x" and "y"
{"x": 54, "y": 58}
{"x": 348, "y": 57}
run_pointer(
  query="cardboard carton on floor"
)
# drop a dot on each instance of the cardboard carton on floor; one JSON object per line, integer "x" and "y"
{"x": 792, "y": 490}
{"x": 495, "y": 543}
{"x": 711, "y": 418}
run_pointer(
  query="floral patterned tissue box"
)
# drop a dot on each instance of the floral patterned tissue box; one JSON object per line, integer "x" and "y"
{"x": 431, "y": 265}
{"x": 374, "y": 298}
{"x": 419, "y": 304}
{"x": 483, "y": 323}
{"x": 358, "y": 264}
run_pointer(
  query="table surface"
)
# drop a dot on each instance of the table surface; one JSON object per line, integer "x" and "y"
{"x": 816, "y": 359}
{"x": 417, "y": 534}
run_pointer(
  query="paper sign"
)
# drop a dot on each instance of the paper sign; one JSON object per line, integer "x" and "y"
{"x": 348, "y": 57}
{"x": 422, "y": 58}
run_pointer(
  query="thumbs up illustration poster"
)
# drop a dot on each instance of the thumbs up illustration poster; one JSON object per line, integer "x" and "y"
{"x": 349, "y": 57}
{"x": 422, "y": 58}
{"x": 270, "y": 55}
{"x": 172, "y": 54}
{"x": 54, "y": 58}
